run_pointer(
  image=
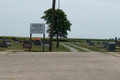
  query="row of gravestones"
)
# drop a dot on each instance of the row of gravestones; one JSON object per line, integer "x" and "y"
{"x": 89, "y": 42}
{"x": 38, "y": 42}
{"x": 110, "y": 46}
{"x": 16, "y": 40}
{"x": 26, "y": 44}
{"x": 5, "y": 42}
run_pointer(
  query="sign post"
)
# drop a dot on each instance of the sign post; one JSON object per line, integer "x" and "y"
{"x": 43, "y": 42}
{"x": 30, "y": 41}
{"x": 37, "y": 28}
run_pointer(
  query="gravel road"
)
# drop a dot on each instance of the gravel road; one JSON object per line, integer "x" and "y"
{"x": 59, "y": 66}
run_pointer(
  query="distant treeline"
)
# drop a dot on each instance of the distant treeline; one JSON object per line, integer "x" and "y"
{"x": 60, "y": 39}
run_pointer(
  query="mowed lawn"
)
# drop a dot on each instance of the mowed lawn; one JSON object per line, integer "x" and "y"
{"x": 18, "y": 47}
{"x": 96, "y": 47}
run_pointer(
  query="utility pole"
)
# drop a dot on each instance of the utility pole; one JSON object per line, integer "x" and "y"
{"x": 52, "y": 25}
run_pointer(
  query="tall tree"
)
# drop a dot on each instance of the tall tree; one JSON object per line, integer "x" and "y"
{"x": 61, "y": 23}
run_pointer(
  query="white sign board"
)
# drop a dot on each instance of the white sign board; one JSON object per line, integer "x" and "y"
{"x": 37, "y": 28}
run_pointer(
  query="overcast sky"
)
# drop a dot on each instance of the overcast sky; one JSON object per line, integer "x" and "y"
{"x": 90, "y": 18}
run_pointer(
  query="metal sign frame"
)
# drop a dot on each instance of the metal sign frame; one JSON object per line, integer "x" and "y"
{"x": 37, "y": 28}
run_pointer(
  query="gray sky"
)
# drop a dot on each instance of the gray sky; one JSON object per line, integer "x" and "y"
{"x": 89, "y": 18}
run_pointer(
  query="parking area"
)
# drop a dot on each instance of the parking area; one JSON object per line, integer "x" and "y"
{"x": 59, "y": 66}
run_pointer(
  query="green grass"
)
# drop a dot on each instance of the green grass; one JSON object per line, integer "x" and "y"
{"x": 62, "y": 49}
{"x": 15, "y": 46}
{"x": 92, "y": 48}
{"x": 18, "y": 46}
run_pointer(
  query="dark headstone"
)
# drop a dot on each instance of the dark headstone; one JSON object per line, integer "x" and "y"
{"x": 106, "y": 44}
{"x": 91, "y": 43}
{"x": 3, "y": 40}
{"x": 37, "y": 42}
{"x": 0, "y": 44}
{"x": 88, "y": 41}
{"x": 3, "y": 45}
{"x": 16, "y": 40}
{"x": 8, "y": 42}
{"x": 111, "y": 46}
{"x": 116, "y": 40}
{"x": 21, "y": 41}
{"x": 118, "y": 43}
{"x": 26, "y": 44}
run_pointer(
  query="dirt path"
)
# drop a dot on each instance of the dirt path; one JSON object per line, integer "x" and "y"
{"x": 59, "y": 66}
{"x": 80, "y": 47}
{"x": 72, "y": 49}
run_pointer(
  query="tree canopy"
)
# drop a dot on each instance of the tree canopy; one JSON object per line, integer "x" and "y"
{"x": 61, "y": 23}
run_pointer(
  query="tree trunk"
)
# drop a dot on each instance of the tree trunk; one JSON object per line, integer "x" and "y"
{"x": 57, "y": 41}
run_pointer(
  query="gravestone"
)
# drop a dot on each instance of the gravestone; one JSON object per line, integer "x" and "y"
{"x": 21, "y": 41}
{"x": 16, "y": 40}
{"x": 111, "y": 46}
{"x": 118, "y": 43}
{"x": 37, "y": 42}
{"x": 0, "y": 44}
{"x": 26, "y": 44}
{"x": 3, "y": 39}
{"x": 91, "y": 43}
{"x": 88, "y": 41}
{"x": 8, "y": 42}
{"x": 72, "y": 42}
{"x": 0, "y": 41}
{"x": 116, "y": 40}
{"x": 47, "y": 43}
{"x": 3, "y": 45}
{"x": 106, "y": 44}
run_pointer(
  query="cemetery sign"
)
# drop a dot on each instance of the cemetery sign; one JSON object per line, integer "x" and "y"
{"x": 37, "y": 28}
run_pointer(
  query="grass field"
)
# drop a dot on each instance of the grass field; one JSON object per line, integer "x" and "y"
{"x": 93, "y": 47}
{"x": 82, "y": 43}
{"x": 18, "y": 47}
